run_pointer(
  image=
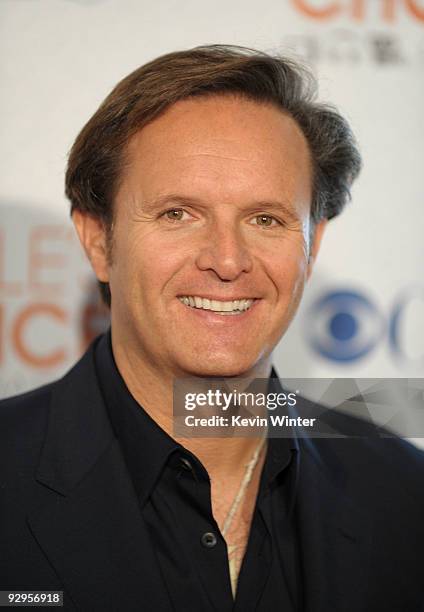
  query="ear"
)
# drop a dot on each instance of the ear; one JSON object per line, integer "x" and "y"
{"x": 92, "y": 234}
{"x": 316, "y": 241}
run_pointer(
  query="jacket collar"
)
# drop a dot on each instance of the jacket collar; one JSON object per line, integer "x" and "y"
{"x": 78, "y": 429}
{"x": 335, "y": 526}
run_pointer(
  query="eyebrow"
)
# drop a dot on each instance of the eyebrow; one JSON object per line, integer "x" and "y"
{"x": 179, "y": 200}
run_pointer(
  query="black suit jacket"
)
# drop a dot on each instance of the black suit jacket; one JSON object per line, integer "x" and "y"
{"x": 69, "y": 516}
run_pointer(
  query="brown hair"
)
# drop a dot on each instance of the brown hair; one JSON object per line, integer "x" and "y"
{"x": 98, "y": 154}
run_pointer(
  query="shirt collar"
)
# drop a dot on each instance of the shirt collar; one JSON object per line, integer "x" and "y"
{"x": 146, "y": 446}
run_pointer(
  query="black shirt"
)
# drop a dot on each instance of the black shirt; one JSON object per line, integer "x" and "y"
{"x": 173, "y": 490}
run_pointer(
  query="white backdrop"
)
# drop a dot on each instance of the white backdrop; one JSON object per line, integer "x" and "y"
{"x": 363, "y": 312}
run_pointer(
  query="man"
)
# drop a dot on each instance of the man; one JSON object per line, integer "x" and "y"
{"x": 200, "y": 191}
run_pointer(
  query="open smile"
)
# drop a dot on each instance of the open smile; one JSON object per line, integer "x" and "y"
{"x": 234, "y": 307}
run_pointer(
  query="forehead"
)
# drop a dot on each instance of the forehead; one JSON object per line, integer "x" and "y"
{"x": 227, "y": 141}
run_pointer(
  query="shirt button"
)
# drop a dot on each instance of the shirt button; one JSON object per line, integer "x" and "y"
{"x": 209, "y": 539}
{"x": 186, "y": 464}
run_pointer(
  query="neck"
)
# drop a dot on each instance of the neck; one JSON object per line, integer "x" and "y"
{"x": 152, "y": 387}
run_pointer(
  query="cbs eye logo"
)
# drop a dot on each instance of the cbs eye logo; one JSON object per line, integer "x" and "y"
{"x": 346, "y": 325}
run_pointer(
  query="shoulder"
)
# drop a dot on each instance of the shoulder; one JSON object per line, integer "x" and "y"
{"x": 24, "y": 418}
{"x": 23, "y": 421}
{"x": 23, "y": 410}
{"x": 377, "y": 459}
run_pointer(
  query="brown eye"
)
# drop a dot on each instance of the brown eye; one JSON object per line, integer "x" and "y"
{"x": 264, "y": 220}
{"x": 175, "y": 214}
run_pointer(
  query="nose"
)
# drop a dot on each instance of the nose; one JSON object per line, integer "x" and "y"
{"x": 225, "y": 253}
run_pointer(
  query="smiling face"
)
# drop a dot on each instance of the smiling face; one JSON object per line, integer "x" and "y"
{"x": 211, "y": 237}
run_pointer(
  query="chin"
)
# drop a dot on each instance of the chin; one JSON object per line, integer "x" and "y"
{"x": 222, "y": 367}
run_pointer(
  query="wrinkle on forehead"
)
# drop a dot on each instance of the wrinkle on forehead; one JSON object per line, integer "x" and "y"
{"x": 225, "y": 149}
{"x": 218, "y": 156}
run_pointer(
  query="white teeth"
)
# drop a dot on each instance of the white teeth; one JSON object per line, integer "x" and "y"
{"x": 224, "y": 307}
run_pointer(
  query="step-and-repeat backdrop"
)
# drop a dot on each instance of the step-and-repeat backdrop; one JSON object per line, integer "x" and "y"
{"x": 363, "y": 311}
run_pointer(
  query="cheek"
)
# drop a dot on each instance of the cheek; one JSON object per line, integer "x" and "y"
{"x": 145, "y": 263}
{"x": 288, "y": 267}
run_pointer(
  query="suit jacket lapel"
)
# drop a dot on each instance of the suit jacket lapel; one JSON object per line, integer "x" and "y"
{"x": 86, "y": 515}
{"x": 335, "y": 529}
{"x": 334, "y": 532}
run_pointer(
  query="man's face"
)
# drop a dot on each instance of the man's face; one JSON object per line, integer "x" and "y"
{"x": 212, "y": 217}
